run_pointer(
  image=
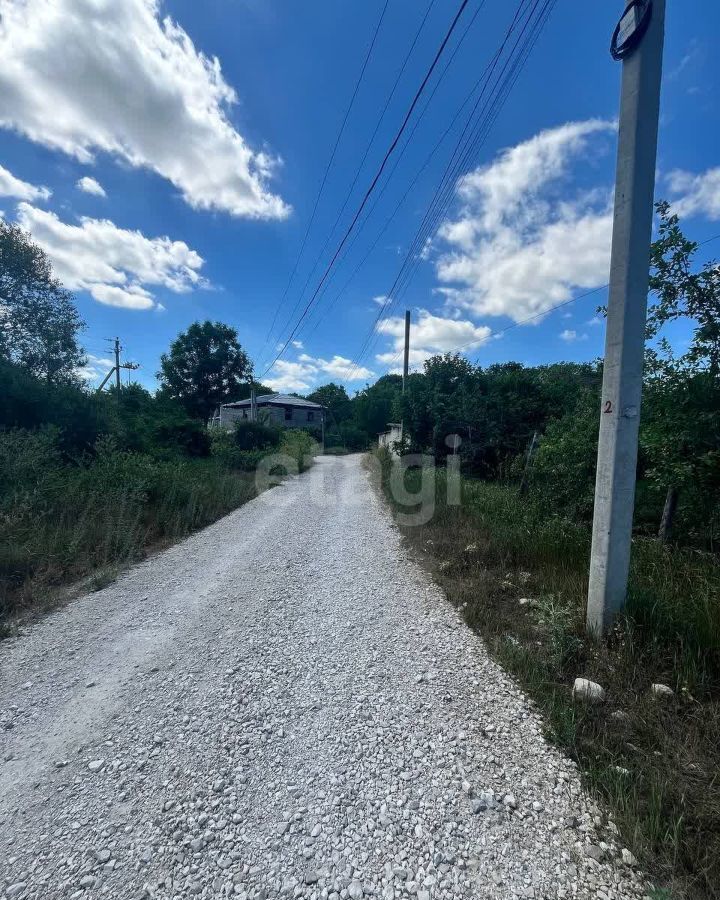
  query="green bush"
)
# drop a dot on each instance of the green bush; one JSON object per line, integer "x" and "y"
{"x": 299, "y": 445}
{"x": 224, "y": 449}
{"x": 249, "y": 435}
{"x": 563, "y": 469}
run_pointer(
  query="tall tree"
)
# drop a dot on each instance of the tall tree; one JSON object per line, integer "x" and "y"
{"x": 39, "y": 322}
{"x": 206, "y": 366}
{"x": 333, "y": 397}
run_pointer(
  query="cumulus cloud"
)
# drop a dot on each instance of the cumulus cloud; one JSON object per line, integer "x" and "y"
{"x": 10, "y": 186}
{"x": 83, "y": 76}
{"x": 429, "y": 335}
{"x": 696, "y": 194}
{"x": 308, "y": 371}
{"x": 113, "y": 264}
{"x": 570, "y": 336}
{"x": 90, "y": 186}
{"x": 517, "y": 247}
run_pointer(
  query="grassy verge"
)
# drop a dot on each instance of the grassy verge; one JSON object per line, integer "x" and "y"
{"x": 656, "y": 762}
{"x": 61, "y": 522}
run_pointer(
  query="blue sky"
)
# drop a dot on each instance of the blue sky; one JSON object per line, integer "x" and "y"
{"x": 168, "y": 156}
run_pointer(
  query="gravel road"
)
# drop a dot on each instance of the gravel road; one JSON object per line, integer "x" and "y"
{"x": 283, "y": 705}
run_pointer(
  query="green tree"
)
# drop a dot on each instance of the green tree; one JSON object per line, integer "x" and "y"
{"x": 680, "y": 292}
{"x": 206, "y": 366}
{"x": 335, "y": 399}
{"x": 375, "y": 406}
{"x": 39, "y": 322}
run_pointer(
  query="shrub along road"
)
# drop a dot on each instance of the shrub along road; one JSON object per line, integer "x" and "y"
{"x": 283, "y": 705}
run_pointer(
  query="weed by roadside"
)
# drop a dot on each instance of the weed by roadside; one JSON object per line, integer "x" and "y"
{"x": 104, "y": 577}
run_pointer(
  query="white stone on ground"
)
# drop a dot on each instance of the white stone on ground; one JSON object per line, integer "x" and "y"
{"x": 591, "y": 691}
{"x": 663, "y": 691}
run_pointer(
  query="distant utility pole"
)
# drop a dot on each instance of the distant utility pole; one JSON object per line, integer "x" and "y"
{"x": 406, "y": 360}
{"x": 116, "y": 370}
{"x": 638, "y": 41}
{"x": 253, "y": 403}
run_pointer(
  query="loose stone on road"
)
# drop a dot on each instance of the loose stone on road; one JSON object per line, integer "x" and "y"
{"x": 284, "y": 705}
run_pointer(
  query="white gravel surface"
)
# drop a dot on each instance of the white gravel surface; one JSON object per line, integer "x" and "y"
{"x": 283, "y": 705}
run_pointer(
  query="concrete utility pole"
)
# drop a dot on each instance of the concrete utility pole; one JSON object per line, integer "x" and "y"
{"x": 638, "y": 41}
{"x": 117, "y": 368}
{"x": 406, "y": 360}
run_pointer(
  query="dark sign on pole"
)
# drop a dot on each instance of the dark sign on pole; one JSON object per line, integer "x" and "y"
{"x": 631, "y": 28}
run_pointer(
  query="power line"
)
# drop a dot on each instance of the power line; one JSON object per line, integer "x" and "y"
{"x": 467, "y": 146}
{"x": 375, "y": 180}
{"x": 329, "y": 166}
{"x": 412, "y": 183}
{"x": 365, "y": 155}
{"x": 444, "y": 191}
{"x": 504, "y": 83}
{"x": 400, "y": 154}
{"x": 388, "y": 100}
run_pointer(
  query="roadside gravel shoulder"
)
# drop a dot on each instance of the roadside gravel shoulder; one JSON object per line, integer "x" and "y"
{"x": 283, "y": 705}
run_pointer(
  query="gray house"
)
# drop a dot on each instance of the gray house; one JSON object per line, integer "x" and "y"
{"x": 277, "y": 409}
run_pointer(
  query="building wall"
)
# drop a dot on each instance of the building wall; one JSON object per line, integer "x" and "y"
{"x": 388, "y": 438}
{"x": 300, "y": 418}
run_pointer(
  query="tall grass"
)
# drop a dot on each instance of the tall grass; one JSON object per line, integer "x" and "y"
{"x": 61, "y": 520}
{"x": 654, "y": 762}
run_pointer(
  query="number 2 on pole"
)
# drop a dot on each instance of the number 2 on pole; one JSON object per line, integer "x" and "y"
{"x": 607, "y": 407}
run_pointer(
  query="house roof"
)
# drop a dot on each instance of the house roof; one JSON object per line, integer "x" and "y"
{"x": 275, "y": 400}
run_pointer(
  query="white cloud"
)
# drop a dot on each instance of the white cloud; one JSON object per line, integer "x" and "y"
{"x": 570, "y": 336}
{"x": 96, "y": 368}
{"x": 114, "y": 264}
{"x": 308, "y": 371}
{"x": 10, "y": 186}
{"x": 343, "y": 369}
{"x": 696, "y": 194}
{"x": 381, "y": 299}
{"x": 429, "y": 335}
{"x": 90, "y": 186}
{"x": 291, "y": 376}
{"x": 694, "y": 54}
{"x": 517, "y": 248}
{"x": 83, "y": 76}
{"x": 298, "y": 345}
{"x": 596, "y": 320}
